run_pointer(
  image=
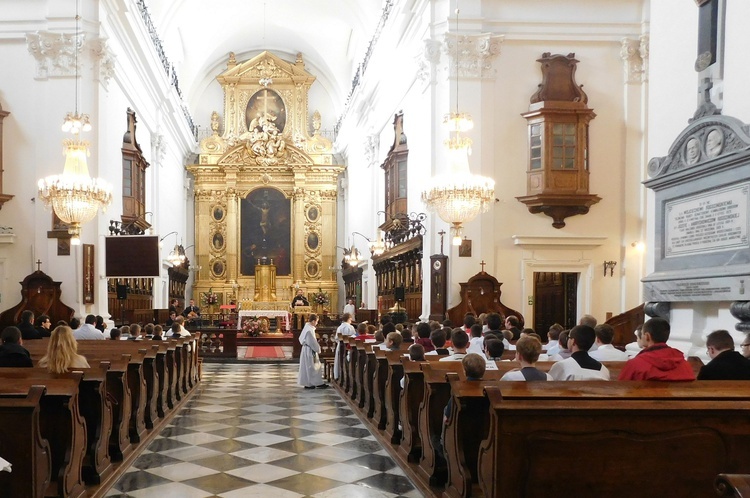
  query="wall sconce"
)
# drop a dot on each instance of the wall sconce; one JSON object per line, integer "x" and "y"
{"x": 610, "y": 265}
{"x": 638, "y": 245}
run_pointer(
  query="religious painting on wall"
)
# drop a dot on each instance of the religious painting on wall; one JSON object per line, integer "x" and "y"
{"x": 265, "y": 220}
{"x": 265, "y": 103}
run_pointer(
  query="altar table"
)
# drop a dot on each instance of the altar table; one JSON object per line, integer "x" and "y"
{"x": 285, "y": 315}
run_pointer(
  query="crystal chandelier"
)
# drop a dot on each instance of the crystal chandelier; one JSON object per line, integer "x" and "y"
{"x": 177, "y": 255}
{"x": 458, "y": 196}
{"x": 74, "y": 196}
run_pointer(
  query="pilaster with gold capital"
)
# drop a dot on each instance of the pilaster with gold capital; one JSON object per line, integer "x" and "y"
{"x": 232, "y": 230}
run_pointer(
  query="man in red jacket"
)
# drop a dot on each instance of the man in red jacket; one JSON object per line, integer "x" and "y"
{"x": 657, "y": 361}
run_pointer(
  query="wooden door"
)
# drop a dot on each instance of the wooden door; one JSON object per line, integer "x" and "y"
{"x": 554, "y": 300}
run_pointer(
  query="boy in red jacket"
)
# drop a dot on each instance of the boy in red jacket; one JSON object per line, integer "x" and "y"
{"x": 657, "y": 361}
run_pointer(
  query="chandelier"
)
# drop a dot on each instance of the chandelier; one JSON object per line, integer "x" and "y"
{"x": 458, "y": 196}
{"x": 177, "y": 255}
{"x": 74, "y": 196}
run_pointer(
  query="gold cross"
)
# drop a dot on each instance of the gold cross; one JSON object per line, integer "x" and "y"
{"x": 38, "y": 265}
{"x": 482, "y": 263}
{"x": 265, "y": 98}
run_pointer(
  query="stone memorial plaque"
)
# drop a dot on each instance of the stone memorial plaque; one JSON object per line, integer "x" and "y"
{"x": 702, "y": 215}
{"x": 715, "y": 220}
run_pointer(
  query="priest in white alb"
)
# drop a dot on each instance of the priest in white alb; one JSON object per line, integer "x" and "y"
{"x": 310, "y": 375}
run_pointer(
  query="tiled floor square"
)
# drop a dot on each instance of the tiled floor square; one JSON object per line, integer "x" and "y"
{"x": 198, "y": 438}
{"x": 263, "y": 439}
{"x": 228, "y": 445}
{"x": 263, "y": 454}
{"x": 181, "y": 471}
{"x": 223, "y": 462}
{"x": 329, "y": 439}
{"x": 354, "y": 491}
{"x": 306, "y": 483}
{"x": 262, "y": 472}
{"x": 171, "y": 490}
{"x": 261, "y": 491}
{"x": 343, "y": 472}
{"x": 218, "y": 483}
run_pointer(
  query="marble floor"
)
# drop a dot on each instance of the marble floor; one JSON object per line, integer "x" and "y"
{"x": 250, "y": 431}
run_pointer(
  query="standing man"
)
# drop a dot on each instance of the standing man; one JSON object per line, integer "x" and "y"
{"x": 349, "y": 308}
{"x": 657, "y": 361}
{"x": 309, "y": 369}
{"x": 300, "y": 299}
{"x": 726, "y": 363}
{"x": 173, "y": 306}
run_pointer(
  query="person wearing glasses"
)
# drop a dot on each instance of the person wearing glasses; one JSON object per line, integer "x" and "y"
{"x": 726, "y": 363}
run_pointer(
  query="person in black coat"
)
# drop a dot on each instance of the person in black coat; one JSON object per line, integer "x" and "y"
{"x": 12, "y": 352}
{"x": 726, "y": 363}
{"x": 28, "y": 331}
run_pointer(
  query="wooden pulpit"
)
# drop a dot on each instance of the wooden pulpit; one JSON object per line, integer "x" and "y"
{"x": 481, "y": 294}
{"x": 40, "y": 294}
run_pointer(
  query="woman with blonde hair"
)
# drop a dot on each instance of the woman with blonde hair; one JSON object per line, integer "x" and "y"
{"x": 62, "y": 352}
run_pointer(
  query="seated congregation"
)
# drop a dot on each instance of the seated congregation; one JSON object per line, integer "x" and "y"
{"x": 490, "y": 409}
{"x": 78, "y": 405}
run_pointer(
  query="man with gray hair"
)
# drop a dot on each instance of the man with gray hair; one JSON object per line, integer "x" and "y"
{"x": 587, "y": 320}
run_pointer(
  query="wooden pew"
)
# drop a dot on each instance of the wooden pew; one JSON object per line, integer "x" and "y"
{"x": 411, "y": 398}
{"x": 380, "y": 413}
{"x": 368, "y": 380}
{"x": 437, "y": 391}
{"x": 359, "y": 376}
{"x": 432, "y": 466}
{"x": 62, "y": 425}
{"x": 393, "y": 395}
{"x": 94, "y": 407}
{"x": 620, "y": 434}
{"x": 21, "y": 444}
{"x": 467, "y": 427}
{"x": 135, "y": 379}
{"x": 352, "y": 367}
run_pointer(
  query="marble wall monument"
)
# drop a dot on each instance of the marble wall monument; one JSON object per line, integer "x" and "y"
{"x": 702, "y": 199}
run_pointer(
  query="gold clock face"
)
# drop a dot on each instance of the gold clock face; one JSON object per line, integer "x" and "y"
{"x": 437, "y": 265}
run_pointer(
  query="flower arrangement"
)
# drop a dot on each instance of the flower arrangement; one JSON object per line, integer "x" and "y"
{"x": 254, "y": 327}
{"x": 321, "y": 298}
{"x": 210, "y": 298}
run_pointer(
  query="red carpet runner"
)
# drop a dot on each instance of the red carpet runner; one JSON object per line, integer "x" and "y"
{"x": 264, "y": 352}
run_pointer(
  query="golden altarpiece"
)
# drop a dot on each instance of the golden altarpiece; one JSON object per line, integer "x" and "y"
{"x": 265, "y": 191}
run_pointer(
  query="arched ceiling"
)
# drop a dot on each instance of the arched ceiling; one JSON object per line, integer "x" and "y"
{"x": 332, "y": 36}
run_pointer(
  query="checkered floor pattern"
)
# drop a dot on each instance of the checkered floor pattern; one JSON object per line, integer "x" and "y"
{"x": 250, "y": 431}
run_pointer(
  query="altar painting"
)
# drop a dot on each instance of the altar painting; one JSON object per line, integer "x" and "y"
{"x": 265, "y": 218}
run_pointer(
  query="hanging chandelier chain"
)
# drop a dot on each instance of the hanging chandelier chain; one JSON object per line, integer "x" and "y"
{"x": 457, "y": 65}
{"x": 75, "y": 50}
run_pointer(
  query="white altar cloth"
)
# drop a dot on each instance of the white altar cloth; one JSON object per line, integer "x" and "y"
{"x": 285, "y": 315}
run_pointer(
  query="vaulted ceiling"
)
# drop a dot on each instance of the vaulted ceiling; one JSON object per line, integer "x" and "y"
{"x": 332, "y": 35}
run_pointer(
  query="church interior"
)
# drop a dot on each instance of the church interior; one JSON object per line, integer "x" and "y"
{"x": 420, "y": 159}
